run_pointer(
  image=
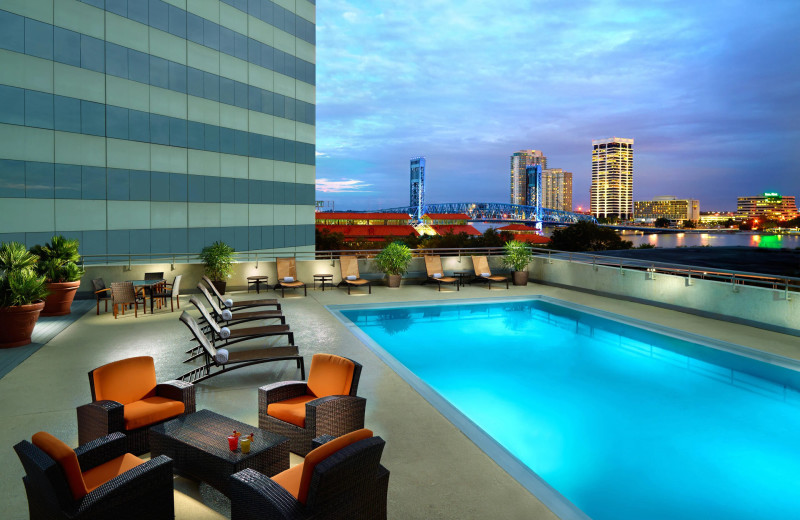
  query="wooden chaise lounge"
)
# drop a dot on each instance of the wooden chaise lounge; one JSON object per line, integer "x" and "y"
{"x": 483, "y": 273}
{"x": 287, "y": 276}
{"x": 433, "y": 264}
{"x": 350, "y": 275}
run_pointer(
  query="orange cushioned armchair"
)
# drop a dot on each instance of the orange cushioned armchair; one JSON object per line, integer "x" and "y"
{"x": 326, "y": 404}
{"x": 97, "y": 481}
{"x": 341, "y": 480}
{"x": 127, "y": 399}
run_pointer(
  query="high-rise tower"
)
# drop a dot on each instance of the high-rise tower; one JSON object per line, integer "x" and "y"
{"x": 519, "y": 178}
{"x": 557, "y": 189}
{"x": 612, "y": 178}
{"x": 417, "y": 195}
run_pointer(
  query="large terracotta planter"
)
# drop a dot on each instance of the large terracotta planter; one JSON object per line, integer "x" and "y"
{"x": 220, "y": 286}
{"x": 394, "y": 280}
{"x": 59, "y": 301}
{"x": 16, "y": 324}
{"x": 520, "y": 277}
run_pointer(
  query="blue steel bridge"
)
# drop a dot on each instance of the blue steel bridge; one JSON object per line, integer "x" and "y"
{"x": 497, "y": 212}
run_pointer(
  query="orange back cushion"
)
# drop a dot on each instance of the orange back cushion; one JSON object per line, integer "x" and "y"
{"x": 125, "y": 381}
{"x": 330, "y": 375}
{"x": 66, "y": 458}
{"x": 316, "y": 456}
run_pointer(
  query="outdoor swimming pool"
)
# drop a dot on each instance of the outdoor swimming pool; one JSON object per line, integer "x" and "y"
{"x": 626, "y": 420}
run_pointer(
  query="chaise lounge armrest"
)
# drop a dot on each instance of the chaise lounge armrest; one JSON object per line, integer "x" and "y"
{"x": 182, "y": 391}
{"x": 101, "y": 450}
{"x": 98, "y": 419}
{"x": 255, "y": 497}
{"x": 280, "y": 391}
{"x": 335, "y": 414}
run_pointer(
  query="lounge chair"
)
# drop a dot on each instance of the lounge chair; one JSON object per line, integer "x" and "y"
{"x": 225, "y": 360}
{"x": 228, "y": 318}
{"x": 287, "y": 276}
{"x": 350, "y": 274}
{"x": 483, "y": 273}
{"x": 245, "y": 304}
{"x": 433, "y": 264}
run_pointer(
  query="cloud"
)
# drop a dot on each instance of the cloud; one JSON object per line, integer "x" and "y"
{"x": 341, "y": 186}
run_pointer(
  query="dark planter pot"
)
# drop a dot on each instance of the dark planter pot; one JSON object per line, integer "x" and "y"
{"x": 17, "y": 324}
{"x": 520, "y": 277}
{"x": 394, "y": 280}
{"x": 220, "y": 286}
{"x": 59, "y": 301}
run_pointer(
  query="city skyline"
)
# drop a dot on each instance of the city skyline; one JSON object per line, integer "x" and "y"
{"x": 705, "y": 90}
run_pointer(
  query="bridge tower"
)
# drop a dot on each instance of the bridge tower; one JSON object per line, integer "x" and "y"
{"x": 534, "y": 174}
{"x": 417, "y": 195}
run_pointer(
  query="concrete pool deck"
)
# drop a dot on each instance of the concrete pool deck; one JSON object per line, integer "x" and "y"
{"x": 436, "y": 471}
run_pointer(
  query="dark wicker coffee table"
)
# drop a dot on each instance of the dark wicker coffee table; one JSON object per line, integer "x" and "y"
{"x": 198, "y": 445}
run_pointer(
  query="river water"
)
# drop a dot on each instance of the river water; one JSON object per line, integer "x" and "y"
{"x": 667, "y": 240}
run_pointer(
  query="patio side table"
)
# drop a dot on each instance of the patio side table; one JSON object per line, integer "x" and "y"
{"x": 322, "y": 278}
{"x": 257, "y": 281}
{"x": 463, "y": 276}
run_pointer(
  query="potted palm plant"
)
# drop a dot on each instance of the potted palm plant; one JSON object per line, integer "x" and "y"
{"x": 517, "y": 257}
{"x": 393, "y": 260}
{"x": 218, "y": 261}
{"x": 22, "y": 293}
{"x": 58, "y": 263}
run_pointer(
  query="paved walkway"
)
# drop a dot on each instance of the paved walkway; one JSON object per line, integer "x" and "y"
{"x": 436, "y": 472}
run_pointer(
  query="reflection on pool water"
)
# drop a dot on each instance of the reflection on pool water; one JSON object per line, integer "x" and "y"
{"x": 625, "y": 422}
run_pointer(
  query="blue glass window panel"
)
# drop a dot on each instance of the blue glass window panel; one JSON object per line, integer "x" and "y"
{"x": 266, "y": 102}
{"x": 211, "y": 235}
{"x": 277, "y": 149}
{"x": 210, "y": 86}
{"x": 240, "y": 191}
{"x": 254, "y": 192}
{"x": 254, "y": 238}
{"x": 12, "y": 32}
{"x": 119, "y": 184}
{"x": 38, "y": 109}
{"x": 116, "y": 122}
{"x": 138, "y": 66}
{"x": 92, "y": 53}
{"x": 93, "y": 183}
{"x": 93, "y": 118}
{"x": 300, "y": 111}
{"x": 227, "y": 140}
{"x": 138, "y": 11}
{"x": 119, "y": 242}
{"x": 31, "y": 239}
{"x": 240, "y": 46}
{"x": 177, "y": 132}
{"x": 277, "y": 193}
{"x": 273, "y": 60}
{"x": 226, "y": 91}
{"x": 93, "y": 243}
{"x": 196, "y": 135}
{"x": 254, "y": 145}
{"x": 196, "y": 243}
{"x": 97, "y": 3}
{"x": 277, "y": 236}
{"x": 226, "y": 41}
{"x": 241, "y": 94}
{"x": 178, "y": 240}
{"x": 212, "y": 138}
{"x": 211, "y": 34}
{"x": 12, "y": 237}
{"x": 278, "y": 105}
{"x": 159, "y": 129}
{"x": 268, "y": 12}
{"x": 159, "y": 15}
{"x": 289, "y": 236}
{"x": 66, "y": 47}
{"x": 253, "y": 51}
{"x": 194, "y": 80}
{"x": 140, "y": 241}
{"x": 68, "y": 181}
{"x": 177, "y": 187}
{"x": 240, "y": 5}
{"x": 196, "y": 188}
{"x": 212, "y": 187}
{"x": 240, "y": 238}
{"x": 119, "y": 7}
{"x": 138, "y": 126}
{"x": 116, "y": 60}
{"x": 242, "y": 138}
{"x": 289, "y": 193}
{"x": 177, "y": 21}
{"x": 267, "y": 192}
{"x": 159, "y": 72}
{"x": 177, "y": 77}
{"x": 194, "y": 28}
{"x": 254, "y": 98}
{"x": 226, "y": 189}
{"x": 12, "y": 105}
{"x": 38, "y": 39}
{"x": 290, "y": 147}
{"x": 159, "y": 241}
{"x": 254, "y": 8}
{"x": 140, "y": 185}
{"x": 159, "y": 186}
{"x": 289, "y": 110}
{"x": 311, "y": 114}
{"x": 267, "y": 147}
{"x": 12, "y": 178}
{"x": 267, "y": 237}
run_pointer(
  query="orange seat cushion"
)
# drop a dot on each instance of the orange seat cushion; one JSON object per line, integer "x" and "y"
{"x": 317, "y": 455}
{"x": 330, "y": 375}
{"x": 150, "y": 411}
{"x": 125, "y": 381}
{"x": 66, "y": 458}
{"x": 292, "y": 410}
{"x": 290, "y": 479}
{"x": 101, "y": 474}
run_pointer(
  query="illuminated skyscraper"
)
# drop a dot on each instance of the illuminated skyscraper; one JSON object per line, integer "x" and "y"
{"x": 417, "y": 196}
{"x": 557, "y": 189}
{"x": 612, "y": 178}
{"x": 520, "y": 188}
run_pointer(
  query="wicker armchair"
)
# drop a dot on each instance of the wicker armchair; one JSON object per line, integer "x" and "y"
{"x": 119, "y": 485}
{"x": 124, "y": 294}
{"x": 170, "y": 291}
{"x": 326, "y": 404}
{"x": 101, "y": 292}
{"x": 341, "y": 480}
{"x": 127, "y": 399}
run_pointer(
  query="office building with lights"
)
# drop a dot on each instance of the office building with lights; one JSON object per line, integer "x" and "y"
{"x": 671, "y": 208}
{"x": 771, "y": 205}
{"x": 417, "y": 189}
{"x": 519, "y": 179}
{"x": 148, "y": 127}
{"x": 611, "y": 193}
{"x": 557, "y": 189}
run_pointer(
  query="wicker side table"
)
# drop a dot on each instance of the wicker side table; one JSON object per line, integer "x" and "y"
{"x": 198, "y": 445}
{"x": 322, "y": 278}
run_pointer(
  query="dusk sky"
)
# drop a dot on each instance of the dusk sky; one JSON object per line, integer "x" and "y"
{"x": 709, "y": 90}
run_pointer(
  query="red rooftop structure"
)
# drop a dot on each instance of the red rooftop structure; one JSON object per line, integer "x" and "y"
{"x": 373, "y": 227}
{"x": 523, "y": 233}
{"x": 455, "y": 223}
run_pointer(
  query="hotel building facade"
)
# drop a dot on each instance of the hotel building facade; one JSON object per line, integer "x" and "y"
{"x": 773, "y": 206}
{"x": 611, "y": 192}
{"x": 671, "y": 208}
{"x": 557, "y": 189}
{"x": 150, "y": 126}
{"x": 519, "y": 182}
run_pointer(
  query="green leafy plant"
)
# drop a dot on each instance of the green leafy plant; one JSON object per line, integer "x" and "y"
{"x": 58, "y": 260}
{"x": 218, "y": 260}
{"x": 517, "y": 255}
{"x": 394, "y": 258}
{"x": 19, "y": 282}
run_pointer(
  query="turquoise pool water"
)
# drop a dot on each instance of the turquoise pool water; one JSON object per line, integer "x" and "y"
{"x": 625, "y": 422}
